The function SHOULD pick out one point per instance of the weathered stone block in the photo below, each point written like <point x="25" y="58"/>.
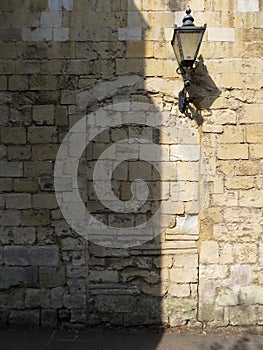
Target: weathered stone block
<point x="209" y="253"/>
<point x="36" y="298"/>
<point x="254" y="133"/>
<point x="26" y="185"/>
<point x="35" y="217"/>
<point x="60" y="34"/>
<point x="44" y="152"/>
<point x="50" y="277"/>
<point x="45" y="201"/>
<point x="42" y="134"/>
<point x="37" y="168"/>
<point x="18" y="83"/>
<point x="11" y="169"/>
<point x="233" y="151"/>
<point x="10" y="218"/>
<point x="183" y="275"/>
<point x="43" y="114"/>
<point x="75" y="301"/>
<point x="103" y="276"/>
<point x="242" y="315"/>
<point x="18" y="201"/>
<point x="179" y="290"/>
<point x="18" y="276"/>
<point x="248" y="5"/>
<point x="19" y="152"/>
<point x="44" y="256"/>
<point x="28" y="318"/>
<point x="17" y="256"/>
<point x="49" y="319"/>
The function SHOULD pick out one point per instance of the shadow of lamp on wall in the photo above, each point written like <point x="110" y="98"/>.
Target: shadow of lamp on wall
<point x="186" y="43"/>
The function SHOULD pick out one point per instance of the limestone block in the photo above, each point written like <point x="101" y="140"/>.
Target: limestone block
<point x="130" y="34"/>
<point x="206" y="311"/>
<point x="251" y="199"/>
<point x="254" y="133"/>
<point x="248" y="5"/>
<point x="19" y="152"/>
<point x="226" y="254"/>
<point x="50" y="277"/>
<point x="179" y="290"/>
<point x="160" y="18"/>
<point x="44" y="152"/>
<point x="14" y="135"/>
<point x="132" y="273"/>
<point x="42" y="134"/>
<point x="43" y="82"/>
<point x="43" y="114"/>
<point x="75" y="301"/>
<point x="209" y="253"/>
<point x="248" y="168"/>
<point x="35" y="217"/>
<point x="233" y="151"/>
<point x="241" y="275"/>
<point x="221" y="34"/>
<point x="68" y="97"/>
<point x="256" y="151"/>
<point x="60" y="34"/>
<point x="155" y="290"/>
<point x="26" y="185"/>
<point x="129" y="66"/>
<point x="139" y="49"/>
<point x="17" y="256"/>
<point x="51" y="19"/>
<point x="49" y="318"/>
<point x="18" y="276"/>
<point x="11" y="169"/>
<point x="7" y="34"/>
<point x="187" y="153"/>
<point x="239" y="182"/>
<point x="242" y="315"/>
<point x="183" y="275"/>
<point x="29" y="318"/>
<point x="18" y="201"/>
<point x="231" y="134"/>
<point x="44" y="256"/>
<point x="103" y="276"/>
<point x="252" y="113"/>
<point x="36" y="298"/>
<point x="36" y="34"/>
<point x="18" y="83"/>
<point x="228" y="297"/>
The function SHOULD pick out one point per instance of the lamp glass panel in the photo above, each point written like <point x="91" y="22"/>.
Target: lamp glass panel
<point x="176" y="49"/>
<point x="190" y="42"/>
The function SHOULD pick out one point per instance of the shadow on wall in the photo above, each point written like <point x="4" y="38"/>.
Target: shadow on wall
<point x="124" y="286"/>
<point x="203" y="92"/>
<point x="129" y="286"/>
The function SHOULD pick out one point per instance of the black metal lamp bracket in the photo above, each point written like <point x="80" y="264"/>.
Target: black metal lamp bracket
<point x="186" y="73"/>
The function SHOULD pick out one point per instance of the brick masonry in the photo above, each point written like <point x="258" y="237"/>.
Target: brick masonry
<point x="62" y="59"/>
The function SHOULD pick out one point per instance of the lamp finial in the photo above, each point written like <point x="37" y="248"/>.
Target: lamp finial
<point x="188" y="20"/>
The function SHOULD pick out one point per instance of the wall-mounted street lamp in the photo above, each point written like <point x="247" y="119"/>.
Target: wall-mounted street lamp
<point x="186" y="43"/>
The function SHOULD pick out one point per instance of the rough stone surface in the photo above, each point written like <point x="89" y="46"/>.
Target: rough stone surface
<point x="63" y="59"/>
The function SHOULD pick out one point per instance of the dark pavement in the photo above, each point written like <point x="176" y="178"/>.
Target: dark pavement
<point x="124" y="340"/>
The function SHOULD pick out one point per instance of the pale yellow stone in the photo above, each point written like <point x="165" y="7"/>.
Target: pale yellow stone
<point x="137" y="49"/>
<point x="239" y="182"/>
<point x="254" y="133"/>
<point x="256" y="151"/>
<point x="233" y="151"/>
<point x="232" y="134"/>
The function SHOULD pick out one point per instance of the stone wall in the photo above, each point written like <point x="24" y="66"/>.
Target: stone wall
<point x="64" y="59"/>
